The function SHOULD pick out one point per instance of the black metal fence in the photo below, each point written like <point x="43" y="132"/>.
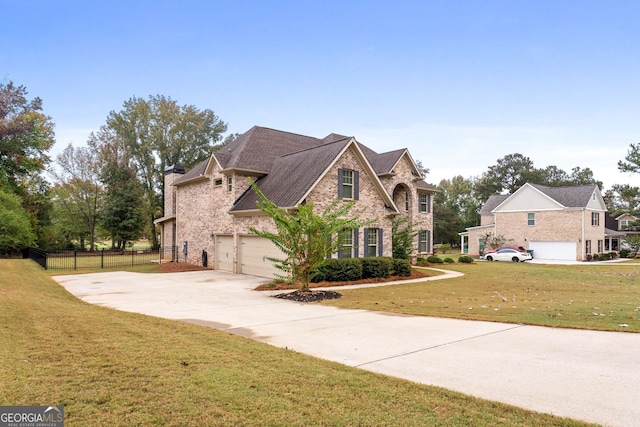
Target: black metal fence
<point x="83" y="260"/>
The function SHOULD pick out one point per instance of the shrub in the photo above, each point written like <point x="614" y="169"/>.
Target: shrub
<point x="448" y="260"/>
<point x="434" y="260"/>
<point x="376" y="267"/>
<point x="338" y="270"/>
<point x="318" y="274"/>
<point x="595" y="257"/>
<point x="624" y="253"/>
<point x="613" y="255"/>
<point x="401" y="267"/>
<point x="465" y="259"/>
<point x="589" y="257"/>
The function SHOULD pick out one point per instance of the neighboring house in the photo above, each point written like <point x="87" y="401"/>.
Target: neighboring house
<point x="564" y="223"/>
<point x="210" y="208"/>
<point x="618" y="228"/>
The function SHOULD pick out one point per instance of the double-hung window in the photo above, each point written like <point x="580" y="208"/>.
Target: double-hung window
<point x="595" y="218"/>
<point x="424" y="242"/>
<point x="373" y="242"/>
<point x="424" y="204"/>
<point x="348" y="184"/>
<point x="348" y="244"/>
<point x="229" y="184"/>
<point x="531" y="218"/>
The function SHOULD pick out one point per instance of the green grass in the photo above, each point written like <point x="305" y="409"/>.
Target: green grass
<point x="600" y="297"/>
<point x="111" y="368"/>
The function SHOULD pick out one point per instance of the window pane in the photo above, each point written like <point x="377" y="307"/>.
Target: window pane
<point x="422" y="242"/>
<point x="347" y="184"/>
<point x="372" y="242"/>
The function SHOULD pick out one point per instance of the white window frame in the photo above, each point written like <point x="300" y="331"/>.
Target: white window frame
<point x="229" y="184"/>
<point x="373" y="232"/>
<point x="423" y="245"/>
<point x="531" y="219"/>
<point x="347" y="184"/>
<point x="347" y="242"/>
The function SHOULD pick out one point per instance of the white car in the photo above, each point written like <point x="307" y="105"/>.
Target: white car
<point x="508" y="254"/>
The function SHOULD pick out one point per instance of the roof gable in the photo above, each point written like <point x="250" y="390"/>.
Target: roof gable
<point x="292" y="176"/>
<point x="540" y="197"/>
<point x="295" y="175"/>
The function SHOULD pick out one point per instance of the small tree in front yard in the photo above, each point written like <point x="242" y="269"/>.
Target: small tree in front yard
<point x="494" y="242"/>
<point x="306" y="238"/>
<point x="403" y="234"/>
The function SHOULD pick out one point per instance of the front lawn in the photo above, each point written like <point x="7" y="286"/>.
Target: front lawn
<point x="112" y="368"/>
<point x="602" y="297"/>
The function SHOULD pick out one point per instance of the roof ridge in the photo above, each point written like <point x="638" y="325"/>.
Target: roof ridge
<point x="316" y="147"/>
<point x="284" y="131"/>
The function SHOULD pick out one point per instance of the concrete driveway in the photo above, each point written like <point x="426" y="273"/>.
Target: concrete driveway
<point x="591" y="376"/>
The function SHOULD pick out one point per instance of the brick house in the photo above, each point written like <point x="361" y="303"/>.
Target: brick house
<point x="565" y="223"/>
<point x="209" y="208"/>
<point x="618" y="228"/>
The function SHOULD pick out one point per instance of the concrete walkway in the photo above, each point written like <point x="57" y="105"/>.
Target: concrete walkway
<point x="586" y="375"/>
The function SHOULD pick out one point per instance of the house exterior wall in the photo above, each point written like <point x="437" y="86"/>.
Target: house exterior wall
<point x="369" y="207"/>
<point x="593" y="233"/>
<point x="193" y="221"/>
<point x="487" y="219"/>
<point x="202" y="207"/>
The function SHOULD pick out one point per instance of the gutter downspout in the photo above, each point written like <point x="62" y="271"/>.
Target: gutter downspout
<point x="583" y="243"/>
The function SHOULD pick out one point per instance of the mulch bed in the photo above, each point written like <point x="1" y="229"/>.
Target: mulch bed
<point x="318" y="295"/>
<point x="308" y="296"/>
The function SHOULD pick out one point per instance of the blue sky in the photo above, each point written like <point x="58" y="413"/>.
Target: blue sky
<point x="459" y="83"/>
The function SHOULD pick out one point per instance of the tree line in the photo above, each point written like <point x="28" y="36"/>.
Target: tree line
<point x="109" y="190"/>
<point x="459" y="200"/>
<point x="112" y="189"/>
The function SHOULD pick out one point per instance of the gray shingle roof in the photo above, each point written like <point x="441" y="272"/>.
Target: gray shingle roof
<point x="492" y="203"/>
<point x="289" y="163"/>
<point x="570" y="197"/>
<point x="292" y="176"/>
<point x="257" y="148"/>
<point x="197" y="171"/>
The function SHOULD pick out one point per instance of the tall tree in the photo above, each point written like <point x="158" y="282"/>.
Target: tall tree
<point x="631" y="161"/>
<point x="158" y="132"/>
<point x="512" y="172"/>
<point x="623" y="198"/>
<point x="630" y="194"/>
<point x="26" y="135"/>
<point x="78" y="175"/>
<point x="455" y="208"/>
<point x="15" y="230"/>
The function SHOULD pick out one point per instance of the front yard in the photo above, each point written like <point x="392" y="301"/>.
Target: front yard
<point x="600" y="297"/>
<point x="114" y="368"/>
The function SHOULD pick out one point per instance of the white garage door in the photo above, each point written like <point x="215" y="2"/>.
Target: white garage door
<point x="254" y="252"/>
<point x="554" y="250"/>
<point x="224" y="253"/>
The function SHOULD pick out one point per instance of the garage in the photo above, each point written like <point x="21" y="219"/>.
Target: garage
<point x="554" y="250"/>
<point x="224" y="253"/>
<point x="254" y="252"/>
